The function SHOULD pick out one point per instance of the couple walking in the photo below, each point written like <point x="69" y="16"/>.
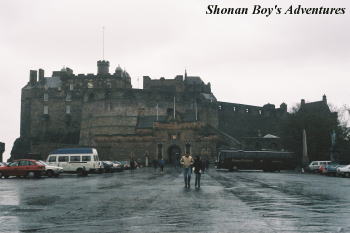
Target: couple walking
<point x="187" y="163"/>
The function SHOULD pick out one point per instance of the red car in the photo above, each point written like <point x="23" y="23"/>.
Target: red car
<point x="23" y="167"/>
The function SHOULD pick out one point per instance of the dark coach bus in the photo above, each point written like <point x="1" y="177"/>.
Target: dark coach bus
<point x="256" y="160"/>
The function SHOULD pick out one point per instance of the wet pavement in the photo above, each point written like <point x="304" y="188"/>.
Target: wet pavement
<point x="147" y="201"/>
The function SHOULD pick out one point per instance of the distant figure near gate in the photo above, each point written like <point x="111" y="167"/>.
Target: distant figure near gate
<point x="161" y="164"/>
<point x="198" y="170"/>
<point x="187" y="162"/>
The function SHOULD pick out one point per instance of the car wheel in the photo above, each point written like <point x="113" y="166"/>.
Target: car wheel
<point x="37" y="174"/>
<point x="57" y="175"/>
<point x="80" y="172"/>
<point x="1" y="175"/>
<point x="30" y="174"/>
<point x="6" y="177"/>
<point x="49" y="173"/>
<point x="85" y="173"/>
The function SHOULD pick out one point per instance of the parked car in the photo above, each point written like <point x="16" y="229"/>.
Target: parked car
<point x="344" y="171"/>
<point x="50" y="170"/>
<point x="314" y="166"/>
<point x="117" y="166"/>
<point x="107" y="166"/>
<point x="75" y="160"/>
<point x="125" y="164"/>
<point x="331" y="168"/>
<point x="23" y="167"/>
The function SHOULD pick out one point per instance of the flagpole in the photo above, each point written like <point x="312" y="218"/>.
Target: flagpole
<point x="157" y="112"/>
<point x="103" y="42"/>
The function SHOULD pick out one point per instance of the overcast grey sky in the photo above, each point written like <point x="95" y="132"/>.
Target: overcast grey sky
<point x="248" y="59"/>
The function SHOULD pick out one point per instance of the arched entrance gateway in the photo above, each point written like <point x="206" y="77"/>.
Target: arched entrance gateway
<point x="174" y="153"/>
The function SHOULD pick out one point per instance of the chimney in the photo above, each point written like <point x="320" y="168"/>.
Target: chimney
<point x="33" y="77"/>
<point x="41" y="75"/>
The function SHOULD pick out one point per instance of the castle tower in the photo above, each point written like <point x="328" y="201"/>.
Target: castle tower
<point x="102" y="67"/>
<point x="324" y="98"/>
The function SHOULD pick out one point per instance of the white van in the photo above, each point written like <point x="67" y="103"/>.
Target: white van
<point x="315" y="165"/>
<point x="75" y="160"/>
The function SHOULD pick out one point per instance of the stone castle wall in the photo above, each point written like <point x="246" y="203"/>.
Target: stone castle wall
<point x="105" y="112"/>
<point x="241" y="120"/>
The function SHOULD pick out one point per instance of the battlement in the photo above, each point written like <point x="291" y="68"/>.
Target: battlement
<point x="65" y="78"/>
<point x="266" y="110"/>
<point x="103" y="67"/>
<point x="179" y="84"/>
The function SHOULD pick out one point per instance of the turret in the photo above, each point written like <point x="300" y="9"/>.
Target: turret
<point x="324" y="99"/>
<point x="283" y="107"/>
<point x="102" y="67"/>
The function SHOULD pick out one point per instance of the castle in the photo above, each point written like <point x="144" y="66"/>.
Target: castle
<point x="166" y="118"/>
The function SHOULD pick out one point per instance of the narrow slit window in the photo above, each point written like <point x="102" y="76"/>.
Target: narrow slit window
<point x="68" y="109"/>
<point x="46" y="97"/>
<point x="46" y="110"/>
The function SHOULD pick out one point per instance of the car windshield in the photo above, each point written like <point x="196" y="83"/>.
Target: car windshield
<point x="41" y="163"/>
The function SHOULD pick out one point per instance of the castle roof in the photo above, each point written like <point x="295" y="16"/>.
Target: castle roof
<point x="318" y="106"/>
<point x="193" y="80"/>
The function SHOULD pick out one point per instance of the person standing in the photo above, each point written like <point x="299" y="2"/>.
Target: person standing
<point x="146" y="158"/>
<point x="161" y="164"/>
<point x="132" y="164"/>
<point x="155" y="164"/>
<point x="187" y="162"/>
<point x="198" y="169"/>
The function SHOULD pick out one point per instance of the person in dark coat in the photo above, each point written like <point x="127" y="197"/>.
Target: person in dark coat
<point x="161" y="164"/>
<point x="155" y="163"/>
<point x="198" y="169"/>
<point x="133" y="164"/>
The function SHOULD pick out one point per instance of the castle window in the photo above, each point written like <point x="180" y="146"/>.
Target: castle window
<point x="46" y="97"/>
<point x="260" y="112"/>
<point x="67" y="109"/>
<point x="90" y="85"/>
<point x="68" y="97"/>
<point x="234" y="109"/>
<point x="71" y="87"/>
<point x="109" y="85"/>
<point x="91" y="97"/>
<point x="247" y="110"/>
<point x="220" y="107"/>
<point x="46" y="110"/>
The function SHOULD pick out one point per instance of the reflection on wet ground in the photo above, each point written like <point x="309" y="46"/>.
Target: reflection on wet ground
<point x="147" y="201"/>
